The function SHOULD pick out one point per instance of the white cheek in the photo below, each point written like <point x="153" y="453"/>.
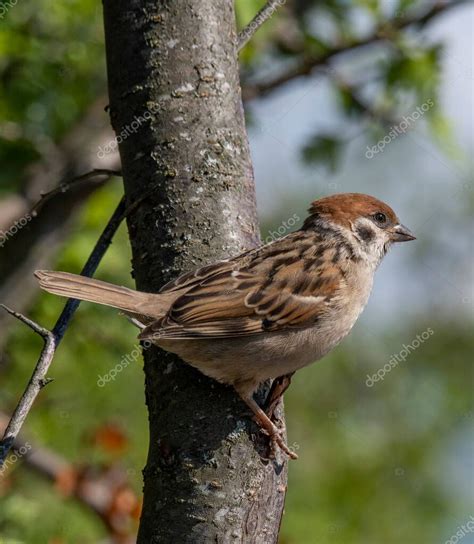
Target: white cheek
<point x="372" y="247"/>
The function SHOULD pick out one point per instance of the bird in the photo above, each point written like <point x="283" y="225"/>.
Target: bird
<point x="268" y="311"/>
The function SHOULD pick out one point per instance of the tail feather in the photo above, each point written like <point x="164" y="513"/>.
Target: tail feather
<point x="74" y="286"/>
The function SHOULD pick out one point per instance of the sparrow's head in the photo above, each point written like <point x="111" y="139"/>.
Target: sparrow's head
<point x="372" y="224"/>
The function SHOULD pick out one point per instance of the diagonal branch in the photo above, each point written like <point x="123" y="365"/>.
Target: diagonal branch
<point x="101" y="246"/>
<point x="54" y="337"/>
<point x="78" y="180"/>
<point x="265" y="13"/>
<point x="383" y="32"/>
<point x="37" y="382"/>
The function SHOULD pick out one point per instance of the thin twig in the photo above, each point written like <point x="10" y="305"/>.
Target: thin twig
<point x="265" y="13"/>
<point x="36" y="383"/>
<point x="90" y="267"/>
<point x="78" y="180"/>
<point x="52" y="339"/>
<point x="307" y="64"/>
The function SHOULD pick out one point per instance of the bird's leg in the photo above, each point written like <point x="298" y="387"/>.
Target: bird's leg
<point x="279" y="386"/>
<point x="265" y="422"/>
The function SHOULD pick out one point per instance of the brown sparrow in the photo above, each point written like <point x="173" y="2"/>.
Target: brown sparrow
<point x="269" y="311"/>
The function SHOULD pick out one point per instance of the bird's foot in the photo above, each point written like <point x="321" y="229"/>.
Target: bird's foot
<point x="276" y="436"/>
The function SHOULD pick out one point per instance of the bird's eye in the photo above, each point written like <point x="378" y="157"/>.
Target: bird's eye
<point x="380" y="218"/>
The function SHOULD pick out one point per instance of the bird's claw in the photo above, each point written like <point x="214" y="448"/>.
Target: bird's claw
<point x="276" y="439"/>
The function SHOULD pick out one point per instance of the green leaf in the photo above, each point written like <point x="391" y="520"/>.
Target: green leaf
<point x="416" y="71"/>
<point x="324" y="149"/>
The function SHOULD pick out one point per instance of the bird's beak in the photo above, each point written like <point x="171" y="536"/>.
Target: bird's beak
<point x="400" y="233"/>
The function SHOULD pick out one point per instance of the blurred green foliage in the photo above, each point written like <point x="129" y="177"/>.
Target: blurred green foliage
<point x="74" y="407"/>
<point x="370" y="469"/>
<point x="376" y="463"/>
<point x="323" y="150"/>
<point x="52" y="66"/>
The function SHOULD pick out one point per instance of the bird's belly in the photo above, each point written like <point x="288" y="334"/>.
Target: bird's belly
<point x="260" y="357"/>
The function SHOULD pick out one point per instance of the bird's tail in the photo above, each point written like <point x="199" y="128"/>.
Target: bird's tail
<point x="69" y="285"/>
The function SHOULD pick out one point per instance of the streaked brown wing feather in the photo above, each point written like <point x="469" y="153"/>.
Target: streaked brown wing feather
<point x="200" y="275"/>
<point x="167" y="330"/>
<point x="277" y="287"/>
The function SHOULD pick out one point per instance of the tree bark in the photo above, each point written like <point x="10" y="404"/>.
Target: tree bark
<point x="175" y="100"/>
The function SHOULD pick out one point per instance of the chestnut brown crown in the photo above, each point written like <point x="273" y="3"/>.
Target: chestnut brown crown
<point x="344" y="208"/>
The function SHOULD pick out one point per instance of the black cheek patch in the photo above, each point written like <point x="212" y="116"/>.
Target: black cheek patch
<point x="366" y="234"/>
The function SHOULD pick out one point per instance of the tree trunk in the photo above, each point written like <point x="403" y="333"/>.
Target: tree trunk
<point x="175" y="104"/>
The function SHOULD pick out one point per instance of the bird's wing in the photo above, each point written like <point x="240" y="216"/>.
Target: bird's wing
<point x="289" y="283"/>
<point x="195" y="277"/>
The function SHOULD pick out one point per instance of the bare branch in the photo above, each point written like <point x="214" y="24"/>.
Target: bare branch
<point x="91" y="265"/>
<point x="265" y="13"/>
<point x="383" y="32"/>
<point x="36" y="383"/>
<point x="63" y="187"/>
<point x="52" y="339"/>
